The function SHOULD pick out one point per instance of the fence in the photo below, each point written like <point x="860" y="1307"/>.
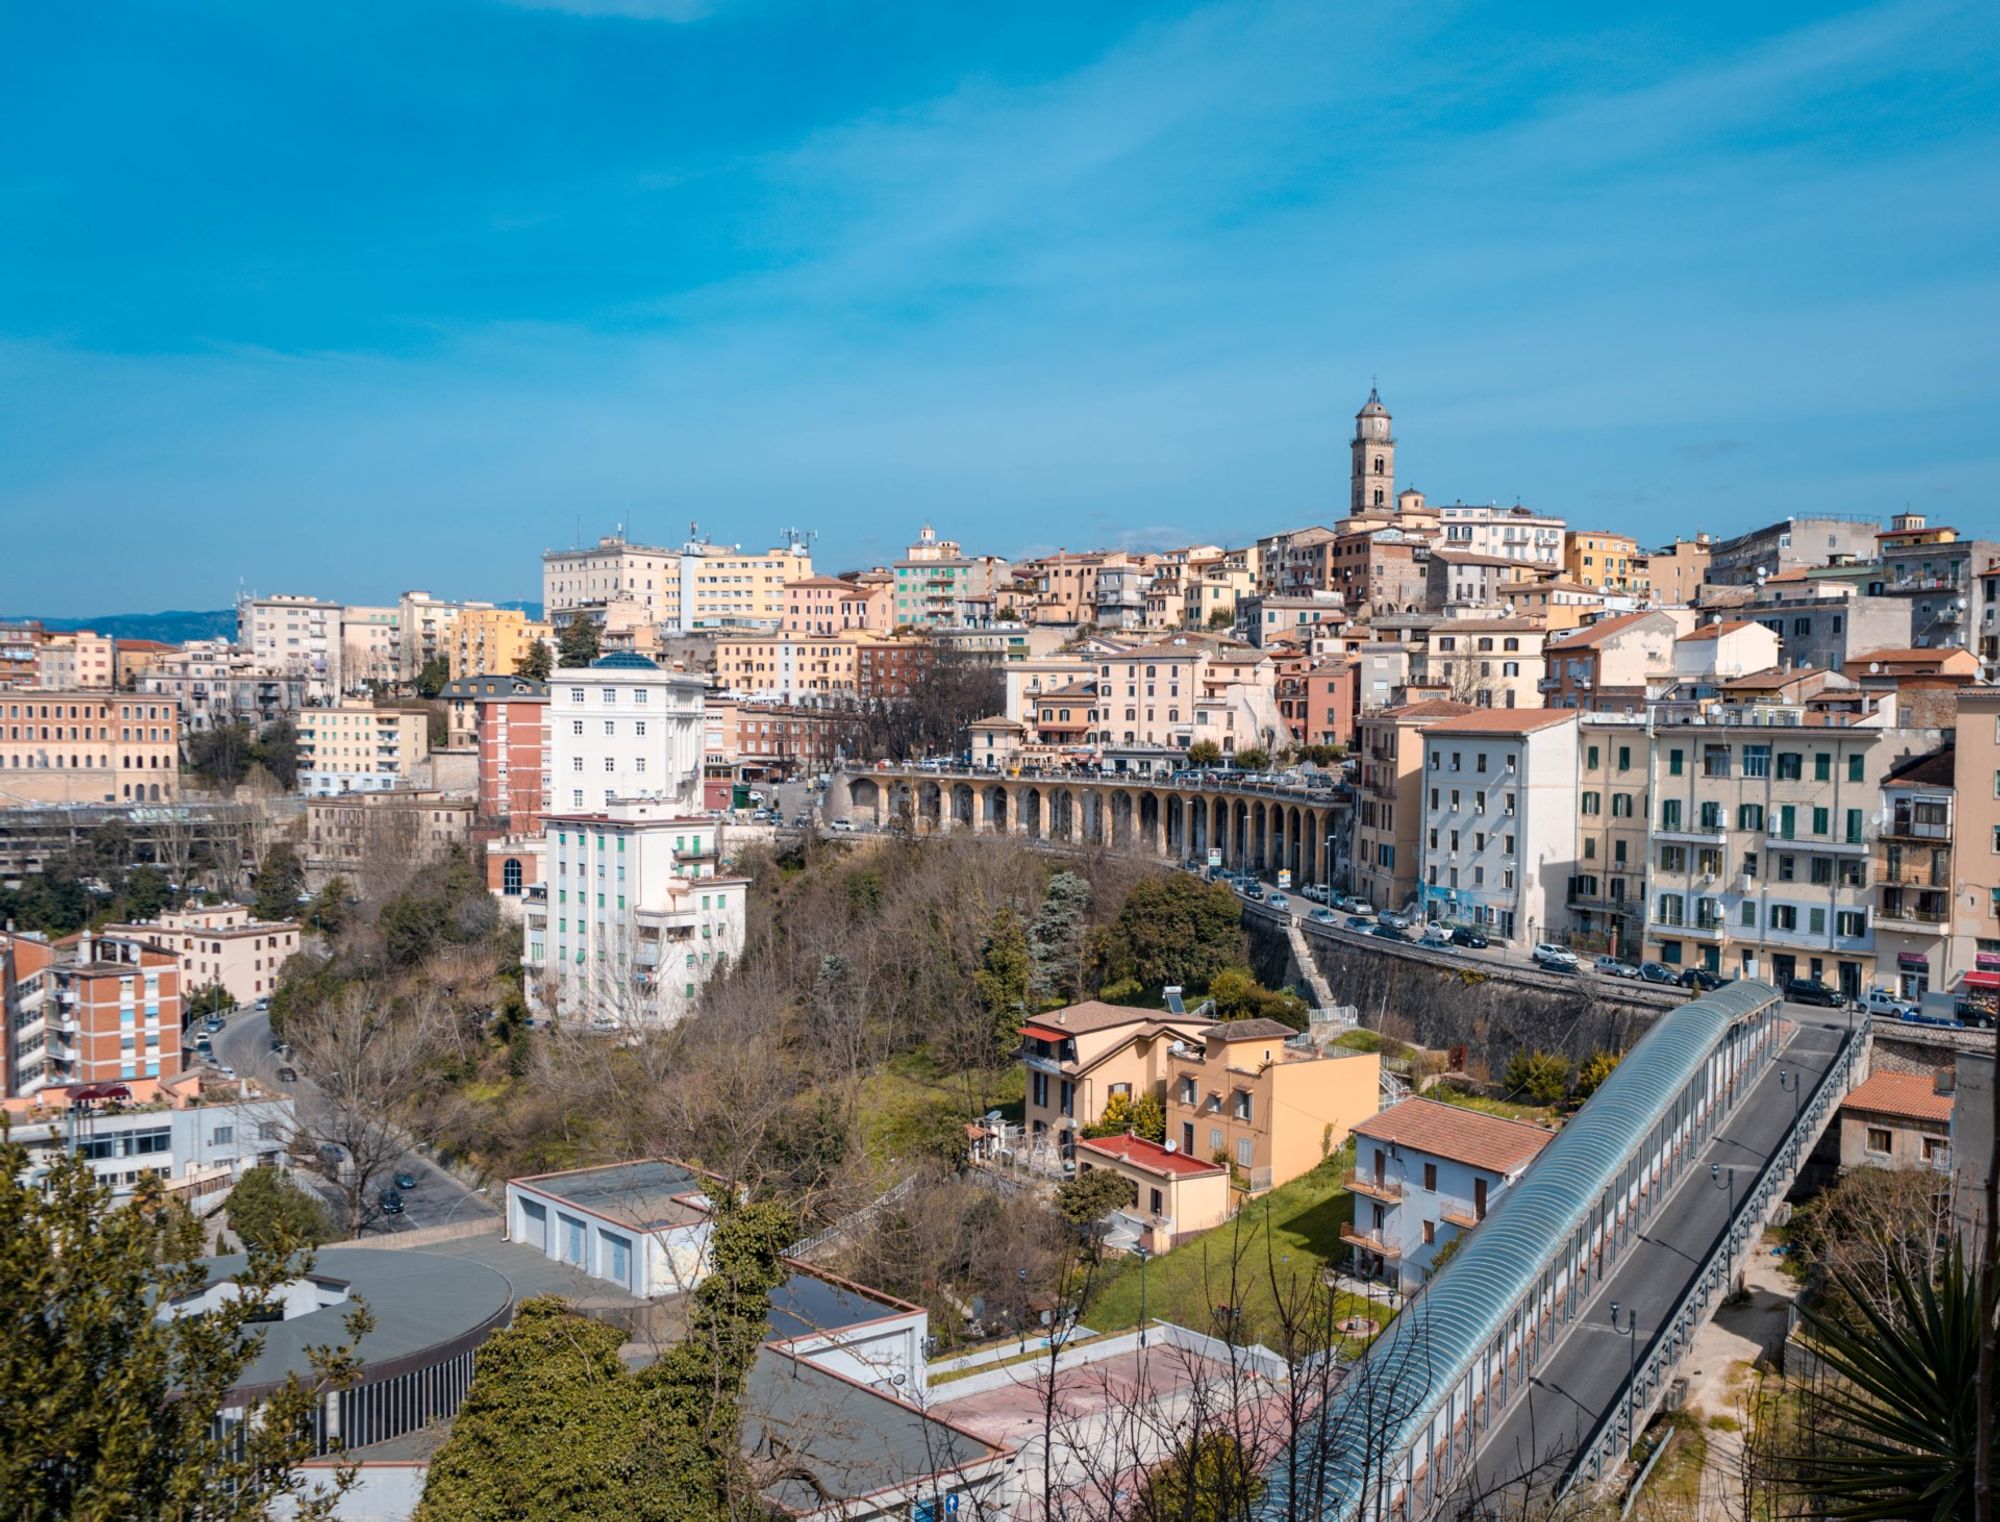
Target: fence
<point x="847" y="1223"/>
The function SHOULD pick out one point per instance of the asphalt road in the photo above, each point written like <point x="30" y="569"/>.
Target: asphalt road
<point x="244" y="1044"/>
<point x="1583" y="1377"/>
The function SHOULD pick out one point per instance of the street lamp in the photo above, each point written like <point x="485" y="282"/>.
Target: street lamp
<point x="1629" y="1331"/>
<point x="1788" y="1080"/>
<point x="461" y="1205"/>
<point x="1716" y="1172"/>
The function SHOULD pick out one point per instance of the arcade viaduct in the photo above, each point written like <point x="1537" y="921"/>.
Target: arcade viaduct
<point x="1257" y="826"/>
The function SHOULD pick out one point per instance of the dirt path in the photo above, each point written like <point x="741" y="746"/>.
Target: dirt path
<point x="1720" y="1375"/>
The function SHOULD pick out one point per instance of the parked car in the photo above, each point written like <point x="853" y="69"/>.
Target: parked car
<point x="1254" y="891"/>
<point x="212" y="1024"/>
<point x="391" y="1202"/>
<point x="1879" y="1001"/>
<point x="1812" y="991"/>
<point x="405" y="1180"/>
<point x="1470" y="935"/>
<point x="1354" y="905"/>
<point x="1657" y="972"/>
<point x="1315" y="892"/>
<point x="1700" y="979"/>
<point x="1612" y="967"/>
<point x="1389" y="932"/>
<point x="1359" y="922"/>
<point x="1394" y="920"/>
<point x="843" y="825"/>
<point x="1554" y="958"/>
<point x="288" y="1075"/>
<point x="1435" y="936"/>
<point x="1922" y="1017"/>
<point x="1321" y="917"/>
<point x="1278" y="901"/>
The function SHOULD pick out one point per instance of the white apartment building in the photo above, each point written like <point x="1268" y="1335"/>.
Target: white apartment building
<point x="216" y="685"/>
<point x="1507" y="533"/>
<point x="1499" y="821"/>
<point x="199" y="1150"/>
<point x="295" y="636"/>
<point x="631" y="918"/>
<point x="698" y="587"/>
<point x="623" y="727"/>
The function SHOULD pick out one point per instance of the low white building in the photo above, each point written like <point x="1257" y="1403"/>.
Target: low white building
<point x="641" y="1226"/>
<point x="198" y="1150"/>
<point x="1425" y="1173"/>
<point x="1499" y="822"/>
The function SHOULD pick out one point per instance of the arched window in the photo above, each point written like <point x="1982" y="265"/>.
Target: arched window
<point x="1378" y="496"/>
<point x="510" y="877"/>
<point x="1378" y="465"/>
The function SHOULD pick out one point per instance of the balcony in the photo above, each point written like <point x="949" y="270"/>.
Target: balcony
<point x="1915" y="874"/>
<point x="1903" y="826"/>
<point x="1382" y="1247"/>
<point x="1903" y="911"/>
<point x="1461" y="1216"/>
<point x="1693" y="834"/>
<point x="699" y="851"/>
<point x="1389" y="1191"/>
<point x="1797" y="839"/>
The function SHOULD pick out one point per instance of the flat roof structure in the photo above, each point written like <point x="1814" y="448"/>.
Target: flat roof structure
<point x="647" y="1195"/>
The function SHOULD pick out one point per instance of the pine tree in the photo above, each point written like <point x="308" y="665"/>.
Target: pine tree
<point x="1002" y="979"/>
<point x="1055" y="942"/>
<point x="578" y="643"/>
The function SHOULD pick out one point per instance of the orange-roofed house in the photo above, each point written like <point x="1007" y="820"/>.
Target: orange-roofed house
<point x="1896" y="1120"/>
<point x="1608" y="666"/>
<point x="1079" y="1056"/>
<point x="1174" y="1196"/>
<point x="1726" y="648"/>
<point x="1425" y="1173"/>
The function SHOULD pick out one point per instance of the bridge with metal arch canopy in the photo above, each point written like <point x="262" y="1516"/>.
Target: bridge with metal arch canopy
<point x="1256" y="824"/>
<point x="1505" y="1375"/>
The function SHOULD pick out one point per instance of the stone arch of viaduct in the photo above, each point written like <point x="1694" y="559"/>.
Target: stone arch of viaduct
<point x="1254" y="831"/>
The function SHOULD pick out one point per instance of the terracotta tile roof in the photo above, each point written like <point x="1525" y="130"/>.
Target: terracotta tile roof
<point x="1503" y="721"/>
<point x="1938" y="769"/>
<point x="1486" y="626"/>
<point x="1249" y="1030"/>
<point x="1467" y="557"/>
<point x="1149" y="1155"/>
<point x="1478" y="1140"/>
<point x="1603" y="629"/>
<point x="1428" y="708"/>
<point x="1910" y="1095"/>
<point x="1095" y="1015"/>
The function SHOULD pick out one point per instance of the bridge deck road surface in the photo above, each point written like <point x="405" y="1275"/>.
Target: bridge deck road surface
<point x="1536" y="1441"/>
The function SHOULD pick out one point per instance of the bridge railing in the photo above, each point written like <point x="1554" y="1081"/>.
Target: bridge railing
<point x="1339" y="792"/>
<point x="1611" y="1439"/>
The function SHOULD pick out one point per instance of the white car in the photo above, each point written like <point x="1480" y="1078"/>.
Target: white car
<point x="1556" y="958"/>
<point x="1879" y="1001"/>
<point x="846" y="825"/>
<point x="1435" y="936"/>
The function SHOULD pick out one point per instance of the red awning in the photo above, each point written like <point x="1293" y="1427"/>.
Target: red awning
<point x="1045" y="1032"/>
<point x="1980" y="980"/>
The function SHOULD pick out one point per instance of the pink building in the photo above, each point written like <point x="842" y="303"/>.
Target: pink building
<point x="833" y="605"/>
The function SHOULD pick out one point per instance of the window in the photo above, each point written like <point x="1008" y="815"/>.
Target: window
<point x="1430" y="1232"/>
<point x="1791" y="766"/>
<point x="1675" y="765"/>
<point x="1187" y="1091"/>
<point x="1820" y="820"/>
<point x="1756" y="760"/>
<point x="1850" y="923"/>
<point x="1937" y="1151"/>
<point x="1784" y="917"/>
<point x="1854" y="769"/>
<point x="1880" y="1142"/>
<point x="1591" y="804"/>
<point x="1822" y="766"/>
<point x="1624" y="758"/>
<point x="1430" y="1176"/>
<point x="1245" y="1151"/>
<point x="1621" y="805"/>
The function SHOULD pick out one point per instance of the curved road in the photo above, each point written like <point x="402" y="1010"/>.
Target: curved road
<point x="244" y="1044"/>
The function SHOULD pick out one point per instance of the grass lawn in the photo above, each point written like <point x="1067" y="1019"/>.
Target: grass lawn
<point x="1277" y="1243"/>
<point x="1539" y="1115"/>
<point x="903" y="1101"/>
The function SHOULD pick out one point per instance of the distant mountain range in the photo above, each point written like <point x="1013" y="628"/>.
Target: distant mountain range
<point x="178" y="627"/>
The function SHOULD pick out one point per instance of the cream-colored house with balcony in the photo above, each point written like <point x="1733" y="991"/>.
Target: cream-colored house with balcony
<point x="1078" y="1056"/>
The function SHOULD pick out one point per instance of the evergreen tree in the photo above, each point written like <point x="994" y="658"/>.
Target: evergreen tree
<point x="1176" y="929"/>
<point x="1055" y="942"/>
<point x="431" y="679"/>
<point x="111" y="1412"/>
<point x="578" y="643"/>
<point x="266" y="1209"/>
<point x="280" y="879"/>
<point x="1002" y="979"/>
<point x="536" y="662"/>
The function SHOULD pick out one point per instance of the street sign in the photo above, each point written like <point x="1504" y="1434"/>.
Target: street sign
<point x="1214" y="856"/>
<point x="1284" y="877"/>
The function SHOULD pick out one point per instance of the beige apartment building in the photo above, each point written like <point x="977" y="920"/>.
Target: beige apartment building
<point x="698" y="587"/>
<point x="76" y="662"/>
<point x="1389" y="807"/>
<point x="224" y="945"/>
<point x="1078" y="1056"/>
<point x="486" y="641"/>
<point x="351" y="835"/>
<point x="1976" y="800"/>
<point x="371" y="645"/>
<point x="1241" y="1094"/>
<point x="294" y="636"/>
<point x="1607" y="892"/>
<point x="1915" y="948"/>
<point x="834" y="605"/>
<point x="360" y="747"/>
<point x="87" y="747"/>
<point x="1488" y="662"/>
<point x="1764" y="843"/>
<point x="1675" y="574"/>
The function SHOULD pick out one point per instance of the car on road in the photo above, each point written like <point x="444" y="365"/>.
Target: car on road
<point x="212" y="1024"/>
<point x="288" y="1074"/>
<point x="1553" y="958"/>
<point x="1321" y="917"/>
<point x="1394" y="920"/>
<point x="1435" y="936"/>
<point x="1314" y="892"/>
<point x="1470" y="935"/>
<point x="845" y="826"/>
<point x="1613" y="967"/>
<point x="1701" y="980"/>
<point x="1354" y="905"/>
<point x="225" y="1070"/>
<point x="1657" y="972"/>
<point x="1277" y="901"/>
<point x="1251" y="890"/>
<point x="261" y="1005"/>
<point x="1389" y="932"/>
<point x="1879" y="1001"/>
<point x="406" y="1180"/>
<point x="1359" y="922"/>
<point x="1812" y="991"/>
<point x="391" y="1202"/>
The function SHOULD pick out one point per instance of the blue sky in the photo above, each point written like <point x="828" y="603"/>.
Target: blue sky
<point x="346" y="299"/>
